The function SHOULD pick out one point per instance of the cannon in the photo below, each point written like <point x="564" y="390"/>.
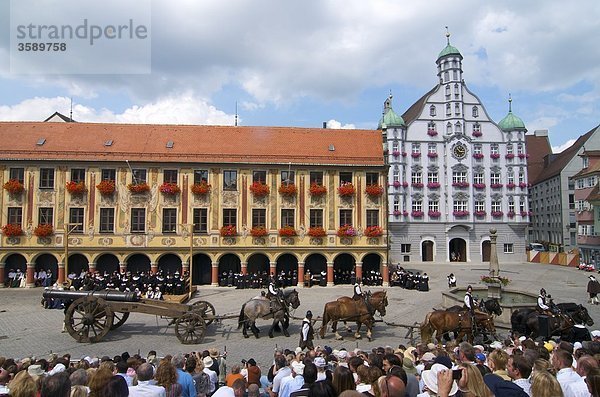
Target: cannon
<point x="90" y="315"/>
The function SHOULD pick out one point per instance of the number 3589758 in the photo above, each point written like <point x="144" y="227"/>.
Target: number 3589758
<point x="40" y="47"/>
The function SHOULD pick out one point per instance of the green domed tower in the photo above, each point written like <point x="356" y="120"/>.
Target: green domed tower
<point x="390" y="119"/>
<point x="511" y="122"/>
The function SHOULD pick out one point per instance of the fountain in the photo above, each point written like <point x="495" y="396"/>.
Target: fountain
<point x="510" y="300"/>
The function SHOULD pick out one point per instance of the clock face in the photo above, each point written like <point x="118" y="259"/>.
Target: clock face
<point x="460" y="151"/>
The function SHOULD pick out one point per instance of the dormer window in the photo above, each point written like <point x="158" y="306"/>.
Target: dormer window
<point x="475" y="111"/>
<point x="432" y="110"/>
<point x="586" y="162"/>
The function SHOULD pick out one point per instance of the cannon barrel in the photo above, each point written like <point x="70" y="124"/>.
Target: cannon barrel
<point x="108" y="295"/>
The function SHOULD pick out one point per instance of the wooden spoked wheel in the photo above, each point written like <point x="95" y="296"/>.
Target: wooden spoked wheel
<point x="88" y="319"/>
<point x="119" y="319"/>
<point x="206" y="310"/>
<point x="190" y="329"/>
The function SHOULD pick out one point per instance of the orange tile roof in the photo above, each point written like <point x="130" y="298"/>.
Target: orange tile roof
<point x="191" y="143"/>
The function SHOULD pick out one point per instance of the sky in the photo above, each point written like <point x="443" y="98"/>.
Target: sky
<point x="302" y="63"/>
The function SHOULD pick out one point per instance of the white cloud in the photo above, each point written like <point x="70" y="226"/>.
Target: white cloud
<point x="337" y="125"/>
<point x="566" y="145"/>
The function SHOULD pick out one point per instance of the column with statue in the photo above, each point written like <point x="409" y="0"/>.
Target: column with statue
<point x="494" y="287"/>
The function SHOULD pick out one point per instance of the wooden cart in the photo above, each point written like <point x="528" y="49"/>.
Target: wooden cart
<point x="91" y="314"/>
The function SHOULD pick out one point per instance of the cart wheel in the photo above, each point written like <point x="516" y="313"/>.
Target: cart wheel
<point x="206" y="310"/>
<point x="88" y="319"/>
<point x="119" y="319"/>
<point x="190" y="328"/>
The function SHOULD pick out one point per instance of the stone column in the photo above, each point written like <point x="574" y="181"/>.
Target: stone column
<point x="329" y="274"/>
<point x="2" y="276"/>
<point x="272" y="269"/>
<point x="185" y="267"/>
<point x="494" y="290"/>
<point x="300" y="274"/>
<point x="214" y="277"/>
<point x="61" y="273"/>
<point x="359" y="271"/>
<point x="30" y="282"/>
<point x="385" y="274"/>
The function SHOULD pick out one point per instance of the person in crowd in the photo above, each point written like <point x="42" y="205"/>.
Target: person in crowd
<point x="201" y="379"/>
<point x="293" y="382"/>
<point x="283" y="370"/>
<point x="593" y="289"/>
<point x="98" y="380"/>
<point x="57" y="385"/>
<point x="571" y="383"/>
<point x="585" y="364"/>
<point x="116" y="387"/>
<point x="391" y="386"/>
<point x="592" y="381"/>
<point x="309" y="375"/>
<point x="145" y="388"/>
<point x="307" y="333"/>
<point x="519" y="371"/>
<point x="497" y="361"/>
<point x="22" y="385"/>
<point x="172" y="379"/>
<point x="254" y="372"/>
<point x="544" y="384"/>
<point x="343" y="379"/>
<point x="212" y="375"/>
<point x="233" y="375"/>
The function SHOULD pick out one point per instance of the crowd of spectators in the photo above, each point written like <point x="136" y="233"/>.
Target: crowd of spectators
<point x="517" y="367"/>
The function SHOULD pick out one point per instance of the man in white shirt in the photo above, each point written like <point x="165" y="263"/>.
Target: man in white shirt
<point x="519" y="370"/>
<point x="145" y="388"/>
<point x="571" y="383"/>
<point x="208" y="362"/>
<point x="293" y="382"/>
<point x="283" y="370"/>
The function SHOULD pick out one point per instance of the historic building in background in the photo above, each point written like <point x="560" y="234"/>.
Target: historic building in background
<point x="110" y="197"/>
<point x="454" y="174"/>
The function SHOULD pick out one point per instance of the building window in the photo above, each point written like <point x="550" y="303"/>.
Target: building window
<point x="456" y="90"/>
<point x="457" y="109"/>
<point x="229" y="217"/>
<point x="449" y="128"/>
<point x="519" y="149"/>
<point x="434" y="206"/>
<point x="417" y="205"/>
<point x="396" y="175"/>
<point x="477" y="149"/>
<point x="259" y="217"/>
<point x="432" y="177"/>
<point x="521" y="176"/>
<point x="446" y="76"/>
<point x="46" y="216"/>
<point x="416" y="148"/>
<point x="77" y="175"/>
<point x="458" y="127"/>
<point x="230" y="181"/>
<point x="448" y="91"/>
<point x="200" y="176"/>
<point x="522" y="205"/>
<point x="76" y="220"/>
<point x="138" y="176"/>
<point x="459" y="176"/>
<point x="476" y="128"/>
<point x="510" y="177"/>
<point x="372" y="218"/>
<point x="169" y="220"/>
<point x="431" y="126"/>
<point x="46" y="178"/>
<point x="509" y="248"/>
<point x="345" y="217"/>
<point x="494" y="149"/>
<point x="138" y="220"/>
<point x="396" y="204"/>
<point x="475" y="111"/>
<point x="316" y="178"/>
<point x="108" y="174"/>
<point x="395" y="146"/>
<point x="416" y="177"/>
<point x="200" y="220"/>
<point x="405" y="248"/>
<point x="15" y="215"/>
<point x="259" y="177"/>
<point x="479" y="206"/>
<point x="287" y="217"/>
<point x="316" y="218"/>
<point x="431" y="148"/>
<point x="509" y="149"/>
<point x="17" y="174"/>
<point x="448" y="110"/>
<point x="345" y="177"/>
<point x="586" y="162"/>
<point x="495" y="178"/>
<point x="479" y="178"/>
<point x="372" y="178"/>
<point x="511" y="205"/>
<point x="288" y="177"/>
<point x="432" y="110"/>
<point x="496" y="206"/>
<point x="455" y="74"/>
<point x="460" y="205"/>
<point x="170" y="176"/>
<point x="107" y="220"/>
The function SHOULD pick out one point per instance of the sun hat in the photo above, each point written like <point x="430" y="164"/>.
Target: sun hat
<point x="207" y="361"/>
<point x="428" y="356"/>
<point x="595" y="333"/>
<point x="320" y="362"/>
<point x="214" y="353"/>
<point x="298" y="367"/>
<point x="408" y="366"/>
<point x="35" y="371"/>
<point x="298" y="350"/>
<point x="430" y="378"/>
<point x="496" y="345"/>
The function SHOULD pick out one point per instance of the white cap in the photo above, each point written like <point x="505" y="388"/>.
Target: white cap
<point x="596" y="333"/>
<point x="522" y="338"/>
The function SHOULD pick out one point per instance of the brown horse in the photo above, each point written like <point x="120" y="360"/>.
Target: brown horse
<point x="442" y="321"/>
<point x="359" y="311"/>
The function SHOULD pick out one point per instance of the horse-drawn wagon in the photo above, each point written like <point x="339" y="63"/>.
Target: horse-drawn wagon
<point x="90" y="315"/>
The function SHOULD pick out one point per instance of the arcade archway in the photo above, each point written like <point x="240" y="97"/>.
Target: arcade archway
<point x="344" y="266"/>
<point x="77" y="263"/>
<point x="458" y="250"/>
<point x="107" y="264"/>
<point x="230" y="262"/>
<point x="169" y="264"/>
<point x="201" y="270"/>
<point x="138" y="263"/>
<point x="258" y="264"/>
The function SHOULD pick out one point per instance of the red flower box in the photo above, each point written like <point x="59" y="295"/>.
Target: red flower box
<point x="522" y="185"/>
<point x="346" y="190"/>
<point x="138" y="187"/>
<point x="317" y="190"/>
<point x="433" y="185"/>
<point x="524" y="214"/>
<point x="259" y="189"/>
<point x="106" y="188"/>
<point x="288" y="189"/>
<point x="397" y="184"/>
<point x="510" y="185"/>
<point x="395" y="153"/>
<point x="397" y="213"/>
<point x="434" y="214"/>
<point x="478" y="156"/>
<point x="477" y="134"/>
<point x="479" y="186"/>
<point x="432" y="132"/>
<point x="432" y="155"/>
<point x="228" y="231"/>
<point x="346" y="231"/>
<point x="201" y="188"/>
<point x="460" y="184"/>
<point x="510" y="214"/>
<point x="495" y="156"/>
<point x="258" y="231"/>
<point x="496" y="186"/>
<point x="460" y="214"/>
<point x="374" y="190"/>
<point x="417" y="214"/>
<point x="497" y="214"/>
<point x="403" y="154"/>
<point x="405" y="213"/>
<point x="417" y="185"/>
<point x="170" y="189"/>
<point x="287" y="231"/>
<point x="43" y="230"/>
<point x="13" y="186"/>
<point x="510" y="156"/>
<point x="374" y="231"/>
<point x="480" y="213"/>
<point x="316" y="232"/>
<point x="76" y="187"/>
<point x="12" y="230"/>
<point x="522" y="155"/>
<point x="415" y="155"/>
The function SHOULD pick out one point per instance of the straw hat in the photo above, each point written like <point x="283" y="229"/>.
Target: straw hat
<point x="430" y="378"/>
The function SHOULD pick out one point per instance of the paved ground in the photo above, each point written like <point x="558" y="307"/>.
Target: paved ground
<point x="28" y="329"/>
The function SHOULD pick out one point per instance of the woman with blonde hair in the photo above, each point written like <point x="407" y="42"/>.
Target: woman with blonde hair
<point x="98" y="380"/>
<point x="23" y="385"/>
<point x="471" y="383"/>
<point x="166" y="376"/>
<point x="544" y="384"/>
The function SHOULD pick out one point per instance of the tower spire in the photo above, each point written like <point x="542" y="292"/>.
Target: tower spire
<point x="447" y="35"/>
<point x="509" y="103"/>
<point x="236" y="114"/>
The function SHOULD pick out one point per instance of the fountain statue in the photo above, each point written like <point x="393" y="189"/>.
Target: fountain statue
<point x="494" y="287"/>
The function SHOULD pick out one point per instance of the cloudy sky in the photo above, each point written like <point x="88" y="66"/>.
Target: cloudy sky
<point x="300" y="63"/>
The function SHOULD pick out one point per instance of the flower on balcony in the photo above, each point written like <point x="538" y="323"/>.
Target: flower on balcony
<point x="142" y="187"/>
<point x="201" y="188"/>
<point x="417" y="185"/>
<point x="495" y="156"/>
<point x="478" y="156"/>
<point x="106" y="187"/>
<point x="346" y="231"/>
<point x="432" y="155"/>
<point x="288" y="189"/>
<point x="13" y="186"/>
<point x="403" y="154"/>
<point x="405" y="213"/>
<point x="495" y="280"/>
<point x="479" y="214"/>
<point x="460" y="213"/>
<point x="170" y="189"/>
<point x="415" y="155"/>
<point x="374" y="231"/>
<point x="522" y="185"/>
<point x="510" y="185"/>
<point x="477" y="134"/>
<point x="258" y="231"/>
<point x="76" y="187"/>
<point x="316" y="231"/>
<point x="259" y="189"/>
<point x="510" y="155"/>
<point x="288" y="231"/>
<point x="317" y="190"/>
<point x="524" y="214"/>
<point x="496" y="186"/>
<point x="43" y="230"/>
<point x="434" y="214"/>
<point x="432" y="132"/>
<point x="510" y="214"/>
<point x="346" y="189"/>
<point x="461" y="184"/>
<point x="417" y="214"/>
<point x="397" y="213"/>
<point x="12" y="230"/>
<point x="497" y="214"/>
<point x="404" y="184"/>
<point x="479" y="186"/>
<point x="433" y="185"/>
<point x="523" y="155"/>
<point x="396" y="184"/>
<point x="228" y="231"/>
<point x="396" y="153"/>
<point x="374" y="190"/>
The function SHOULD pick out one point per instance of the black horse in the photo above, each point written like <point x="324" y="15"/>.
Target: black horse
<point x="525" y="321"/>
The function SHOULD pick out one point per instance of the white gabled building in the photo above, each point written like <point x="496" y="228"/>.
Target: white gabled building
<point x="454" y="174"/>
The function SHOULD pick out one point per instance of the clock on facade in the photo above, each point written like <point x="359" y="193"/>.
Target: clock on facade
<point x="459" y="151"/>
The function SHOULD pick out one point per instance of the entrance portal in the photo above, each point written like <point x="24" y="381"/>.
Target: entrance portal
<point x="427" y="251"/>
<point x="458" y="250"/>
<point x="486" y="249"/>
